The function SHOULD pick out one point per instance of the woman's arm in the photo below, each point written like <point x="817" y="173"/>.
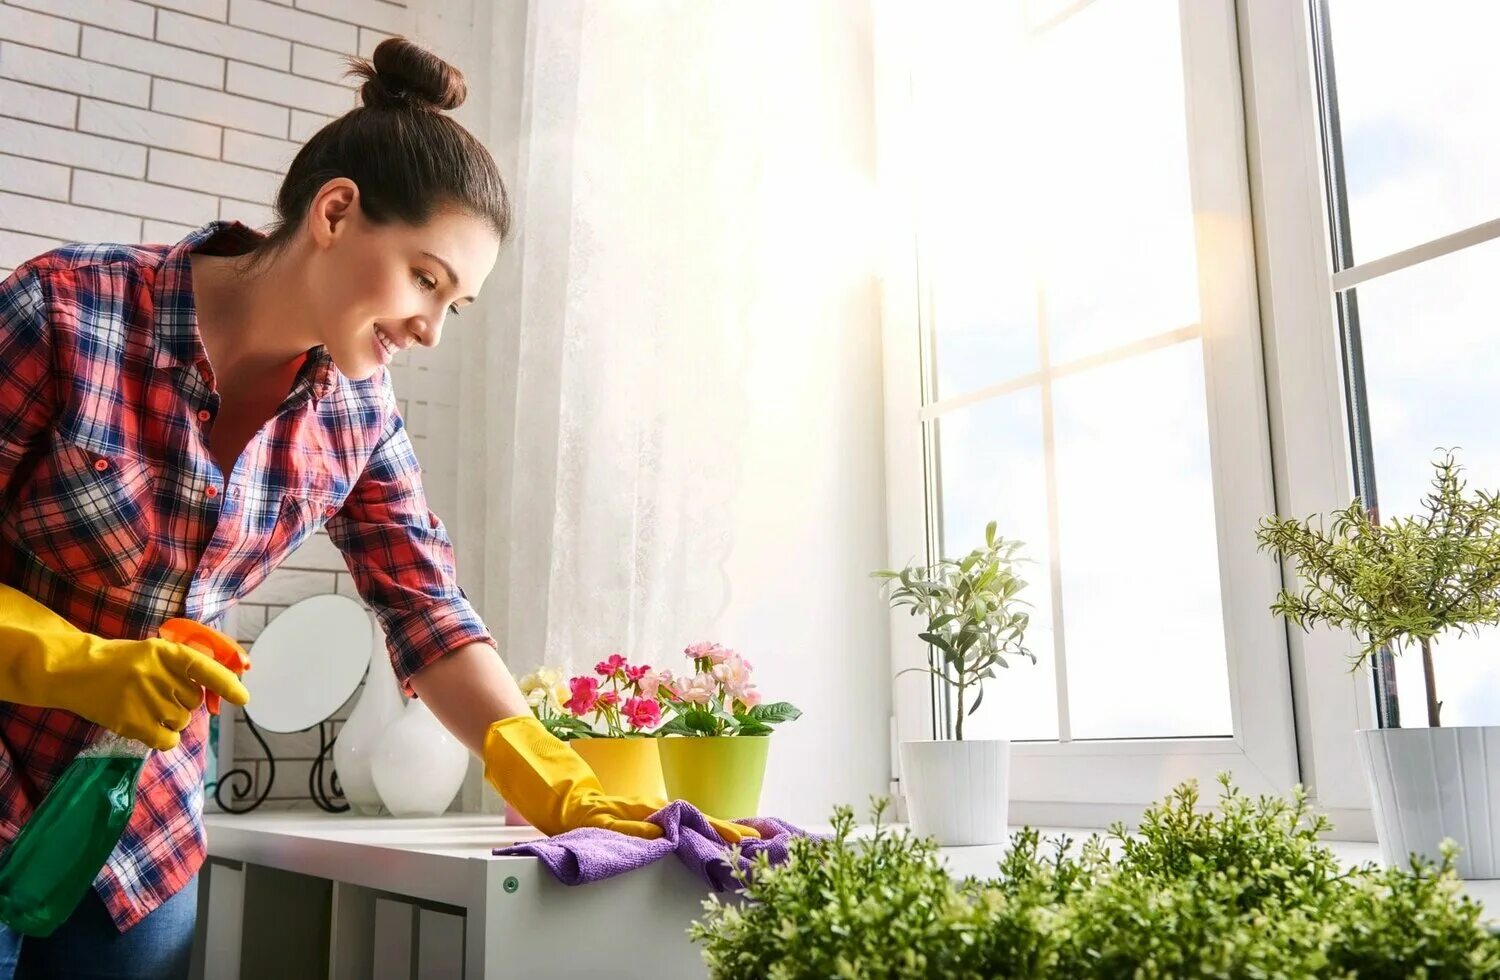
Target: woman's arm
<point x="469" y="690"/>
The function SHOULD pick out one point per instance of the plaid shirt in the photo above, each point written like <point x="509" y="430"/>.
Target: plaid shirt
<point x="114" y="513"/>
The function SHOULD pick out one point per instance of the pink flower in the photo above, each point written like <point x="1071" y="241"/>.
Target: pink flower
<point x="698" y="689"/>
<point x="749" y="697"/>
<point x="652" y="683"/>
<point x="634" y="674"/>
<point x="608" y="699"/>
<point x="585" y="695"/>
<point x="606" y="668"/>
<point x="713" y="651"/>
<point x="642" y="712"/>
<point x="733" y="675"/>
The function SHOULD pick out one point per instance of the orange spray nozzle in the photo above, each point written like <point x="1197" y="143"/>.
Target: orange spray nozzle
<point x="207" y="640"/>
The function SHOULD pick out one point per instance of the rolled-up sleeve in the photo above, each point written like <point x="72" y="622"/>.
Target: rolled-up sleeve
<point x="402" y="560"/>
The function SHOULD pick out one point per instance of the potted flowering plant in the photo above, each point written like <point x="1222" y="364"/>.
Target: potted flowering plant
<point x="957" y="790"/>
<point x="722" y="728"/>
<point x="607" y="717"/>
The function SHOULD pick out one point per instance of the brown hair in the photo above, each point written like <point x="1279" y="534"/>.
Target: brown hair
<point x="407" y="158"/>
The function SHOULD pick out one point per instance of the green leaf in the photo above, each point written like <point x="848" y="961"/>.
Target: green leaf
<point x="937" y="640"/>
<point x="568" y="727"/>
<point x="676" y="726"/>
<point x="776" y="712"/>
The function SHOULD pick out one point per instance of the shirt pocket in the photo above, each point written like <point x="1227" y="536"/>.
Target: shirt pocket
<point x="303" y="513"/>
<point x="85" y="515"/>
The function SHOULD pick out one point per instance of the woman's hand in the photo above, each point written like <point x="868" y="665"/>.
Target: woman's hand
<point x="554" y="789"/>
<point x="142" y="689"/>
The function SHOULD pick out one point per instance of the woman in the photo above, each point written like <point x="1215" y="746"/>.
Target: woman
<point x="175" y="421"/>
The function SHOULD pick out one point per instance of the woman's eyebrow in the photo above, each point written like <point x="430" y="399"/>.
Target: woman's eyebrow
<point x="448" y="269"/>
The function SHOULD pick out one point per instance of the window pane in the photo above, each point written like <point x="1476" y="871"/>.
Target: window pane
<point x="992" y="469"/>
<point x="1428" y="332"/>
<point x="976" y="263"/>
<point x="1140" y="568"/>
<point x="984" y="310"/>
<point x="1073" y="190"/>
<point x="1109" y="149"/>
<point x="1417" y="90"/>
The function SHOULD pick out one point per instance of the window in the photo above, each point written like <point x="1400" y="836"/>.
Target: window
<point x="1413" y="163"/>
<point x="1076" y="355"/>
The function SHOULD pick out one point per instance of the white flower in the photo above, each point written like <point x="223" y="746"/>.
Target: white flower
<point x="544" y="686"/>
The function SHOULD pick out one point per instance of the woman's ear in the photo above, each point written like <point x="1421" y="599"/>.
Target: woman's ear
<point x="335" y="203"/>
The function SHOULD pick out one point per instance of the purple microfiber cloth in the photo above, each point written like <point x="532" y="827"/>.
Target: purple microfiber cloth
<point x="591" y="854"/>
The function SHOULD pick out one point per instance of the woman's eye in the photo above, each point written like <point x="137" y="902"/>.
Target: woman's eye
<point x="453" y="309"/>
<point x="427" y="283"/>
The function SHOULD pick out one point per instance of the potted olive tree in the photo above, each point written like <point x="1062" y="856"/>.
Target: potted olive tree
<point x="1404" y="584"/>
<point x="957" y="789"/>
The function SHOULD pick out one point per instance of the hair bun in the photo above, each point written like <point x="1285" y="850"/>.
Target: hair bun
<point x="403" y="74"/>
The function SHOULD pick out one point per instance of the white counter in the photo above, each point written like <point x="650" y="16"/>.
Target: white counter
<point x="493" y="916"/>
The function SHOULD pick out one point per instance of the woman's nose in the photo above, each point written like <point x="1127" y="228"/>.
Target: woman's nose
<point x="427" y="331"/>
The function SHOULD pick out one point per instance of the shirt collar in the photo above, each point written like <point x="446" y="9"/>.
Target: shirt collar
<point x="178" y="343"/>
<point x="177" y="340"/>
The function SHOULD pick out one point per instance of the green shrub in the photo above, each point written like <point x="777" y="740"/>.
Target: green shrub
<point x="876" y="907"/>
<point x="1245" y="891"/>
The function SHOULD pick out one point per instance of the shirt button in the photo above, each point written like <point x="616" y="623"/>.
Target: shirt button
<point x="329" y="511"/>
<point x="101" y="465"/>
<point x="213" y="491"/>
<point x="204" y="415"/>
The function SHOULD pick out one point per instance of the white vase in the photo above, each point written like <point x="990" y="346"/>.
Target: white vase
<point x="379" y="707"/>
<point x="418" y="765"/>
<point x="1427" y="784"/>
<point x="957" y="792"/>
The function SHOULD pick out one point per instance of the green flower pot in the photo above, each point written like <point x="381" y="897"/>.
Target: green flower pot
<point x="720" y="775"/>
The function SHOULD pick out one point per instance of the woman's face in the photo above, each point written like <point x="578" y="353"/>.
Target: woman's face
<point x="384" y="288"/>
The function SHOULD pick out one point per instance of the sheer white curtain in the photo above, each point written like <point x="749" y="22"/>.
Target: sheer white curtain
<point x="616" y="400"/>
<point x="674" y="419"/>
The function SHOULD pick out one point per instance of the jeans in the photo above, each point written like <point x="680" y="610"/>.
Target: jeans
<point x="88" y="947"/>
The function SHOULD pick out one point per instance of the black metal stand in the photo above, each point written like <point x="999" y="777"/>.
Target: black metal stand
<point x="325" y="799"/>
<point x="322" y="781"/>
<point x="241" y="781"/>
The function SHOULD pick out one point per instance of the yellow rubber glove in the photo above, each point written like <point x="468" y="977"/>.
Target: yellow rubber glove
<point x="555" y="790"/>
<point x="142" y="689"/>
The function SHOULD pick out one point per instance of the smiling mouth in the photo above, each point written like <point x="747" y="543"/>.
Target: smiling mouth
<point x="385" y="345"/>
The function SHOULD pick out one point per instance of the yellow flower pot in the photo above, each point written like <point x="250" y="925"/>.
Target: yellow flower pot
<point x="625" y="766"/>
<point x="720" y="775"/>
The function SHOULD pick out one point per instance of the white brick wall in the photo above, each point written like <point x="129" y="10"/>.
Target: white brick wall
<point x="129" y="121"/>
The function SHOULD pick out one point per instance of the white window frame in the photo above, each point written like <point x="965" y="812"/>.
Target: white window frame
<point x="1304" y="369"/>
<point x="1088" y="783"/>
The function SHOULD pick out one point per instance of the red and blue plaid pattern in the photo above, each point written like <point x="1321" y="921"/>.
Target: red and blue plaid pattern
<point x="114" y="513"/>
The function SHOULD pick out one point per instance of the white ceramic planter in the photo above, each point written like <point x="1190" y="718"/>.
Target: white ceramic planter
<point x="378" y="708"/>
<point x="417" y="765"/>
<point x="957" y="792"/>
<point x="1427" y="784"/>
